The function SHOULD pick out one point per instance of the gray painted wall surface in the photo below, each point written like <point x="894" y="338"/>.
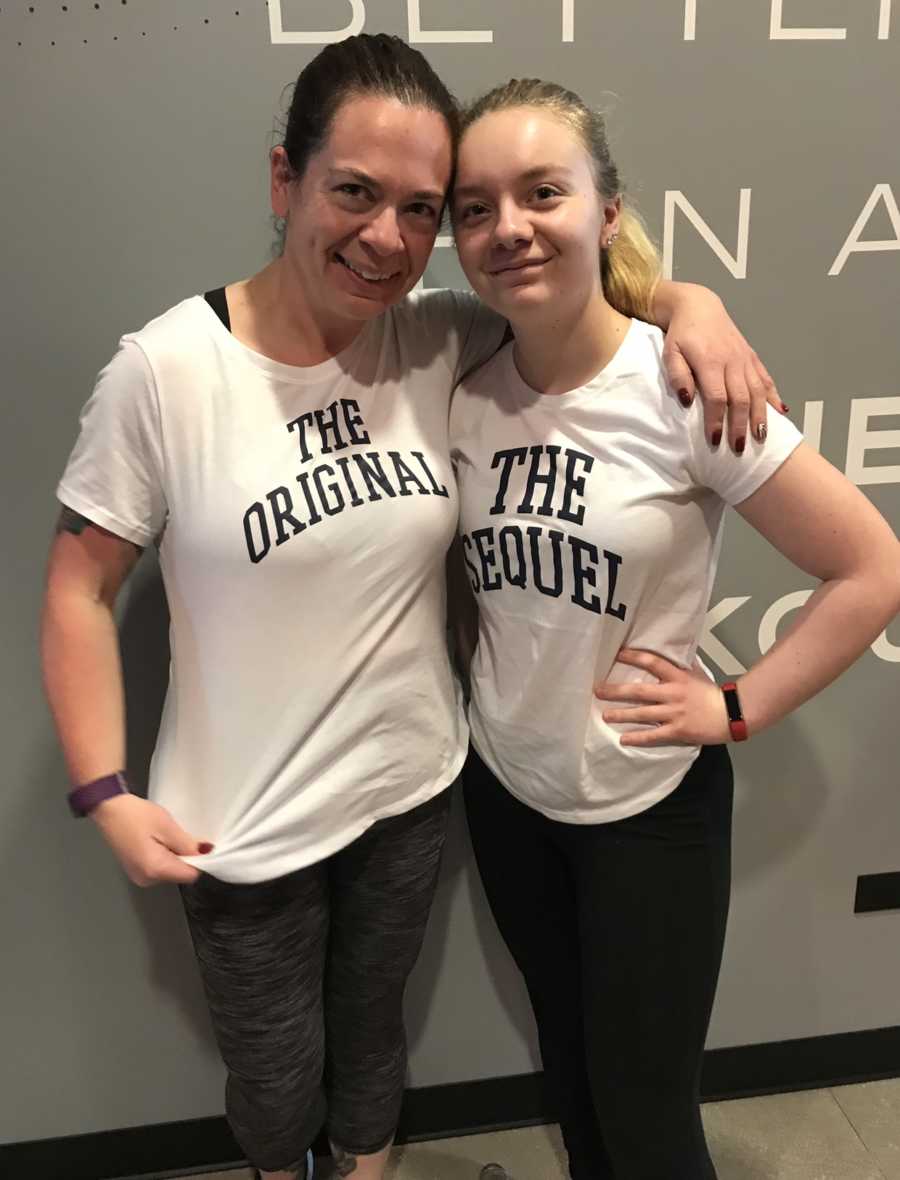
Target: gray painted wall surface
<point x="134" y="159"/>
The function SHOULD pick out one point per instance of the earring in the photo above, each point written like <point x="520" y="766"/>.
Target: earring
<point x="612" y="238"/>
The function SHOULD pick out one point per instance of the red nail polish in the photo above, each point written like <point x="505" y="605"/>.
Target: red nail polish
<point x="205" y="847"/>
<point x="716" y="437"/>
<point x="685" y="398"/>
<point x="739" y="446"/>
<point x="785" y="409"/>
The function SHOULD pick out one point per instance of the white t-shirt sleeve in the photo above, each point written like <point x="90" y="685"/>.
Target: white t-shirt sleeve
<point x="469" y="332"/>
<point x="114" y="475"/>
<point x="483" y="337"/>
<point x="735" y="477"/>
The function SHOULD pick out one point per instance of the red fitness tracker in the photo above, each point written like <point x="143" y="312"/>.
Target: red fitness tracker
<point x="83" y="800"/>
<point x="736" y="722"/>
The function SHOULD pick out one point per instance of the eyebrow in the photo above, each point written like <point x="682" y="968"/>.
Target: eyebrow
<point x="530" y="174"/>
<point x="371" y="182"/>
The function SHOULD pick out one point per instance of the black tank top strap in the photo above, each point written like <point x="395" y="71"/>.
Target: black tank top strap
<point x="217" y="301"/>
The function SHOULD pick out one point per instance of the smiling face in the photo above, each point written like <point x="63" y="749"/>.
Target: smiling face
<point x="528" y="220"/>
<point x="362" y="220"/>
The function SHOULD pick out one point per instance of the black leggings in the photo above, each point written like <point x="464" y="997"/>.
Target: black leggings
<point x="618" y="931"/>
<point x="305" y="976"/>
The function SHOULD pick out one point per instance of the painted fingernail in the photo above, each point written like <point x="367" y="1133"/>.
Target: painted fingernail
<point x="685" y="398"/>
<point x="716" y="437"/>
<point x="204" y="848"/>
<point x="785" y="409"/>
<point x="762" y="432"/>
<point x="739" y="445"/>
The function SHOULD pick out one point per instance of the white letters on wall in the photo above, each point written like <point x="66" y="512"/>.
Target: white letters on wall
<point x="280" y="36"/>
<point x="690" y="20"/>
<point x="885" y="650"/>
<point x="568" y="20"/>
<point x="728" y="663"/>
<point x="853" y="245"/>
<point x="777" y="31"/>
<point x="884" y="20"/>
<point x="812" y="424"/>
<point x="715" y="648"/>
<point x="737" y="264"/>
<point x="860" y="440"/>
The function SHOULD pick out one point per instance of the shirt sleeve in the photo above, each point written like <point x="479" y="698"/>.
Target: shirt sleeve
<point x="468" y="332"/>
<point x="735" y="477"/>
<point x="485" y="332"/>
<point x="114" y="475"/>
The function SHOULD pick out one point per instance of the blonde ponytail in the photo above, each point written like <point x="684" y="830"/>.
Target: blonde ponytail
<point x="631" y="268"/>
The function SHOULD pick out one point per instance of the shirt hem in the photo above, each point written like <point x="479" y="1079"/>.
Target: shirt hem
<point x="624" y="809"/>
<point x="207" y="863"/>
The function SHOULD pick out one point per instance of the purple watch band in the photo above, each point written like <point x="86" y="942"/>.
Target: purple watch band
<point x="84" y="799"/>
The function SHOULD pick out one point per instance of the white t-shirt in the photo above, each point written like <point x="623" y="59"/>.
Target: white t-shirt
<point x="590" y="521"/>
<point x="302" y="517"/>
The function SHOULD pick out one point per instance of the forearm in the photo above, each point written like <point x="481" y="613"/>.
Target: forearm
<point x="669" y="295"/>
<point x="83" y="682"/>
<point x="834" y="627"/>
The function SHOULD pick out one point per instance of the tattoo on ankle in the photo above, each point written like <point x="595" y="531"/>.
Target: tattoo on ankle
<point x="344" y="1163"/>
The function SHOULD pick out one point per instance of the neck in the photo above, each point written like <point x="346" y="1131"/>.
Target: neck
<point x="271" y="314"/>
<point x="557" y="351"/>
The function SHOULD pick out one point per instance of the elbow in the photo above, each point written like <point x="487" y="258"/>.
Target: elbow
<point x="893" y="576"/>
<point x="885" y="581"/>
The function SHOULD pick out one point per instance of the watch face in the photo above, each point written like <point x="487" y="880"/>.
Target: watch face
<point x="732" y="703"/>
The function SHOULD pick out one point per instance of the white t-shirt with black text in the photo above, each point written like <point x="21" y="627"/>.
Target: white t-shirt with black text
<point x="590" y="521"/>
<point x="302" y="517"/>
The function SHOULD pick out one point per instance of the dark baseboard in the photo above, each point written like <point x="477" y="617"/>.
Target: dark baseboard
<point x="458" y="1108"/>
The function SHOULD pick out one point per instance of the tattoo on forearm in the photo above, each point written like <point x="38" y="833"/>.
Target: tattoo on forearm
<point x="71" y="521"/>
<point x="344" y="1162"/>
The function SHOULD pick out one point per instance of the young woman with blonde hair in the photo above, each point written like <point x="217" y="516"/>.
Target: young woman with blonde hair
<point x="599" y="788"/>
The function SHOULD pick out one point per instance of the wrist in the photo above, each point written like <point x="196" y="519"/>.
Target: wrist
<point x="737" y="724"/>
<point x="89" y="797"/>
<point x="107" y="811"/>
<point x="670" y="296"/>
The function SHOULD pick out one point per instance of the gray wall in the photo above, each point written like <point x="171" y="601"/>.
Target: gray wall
<point x="135" y="173"/>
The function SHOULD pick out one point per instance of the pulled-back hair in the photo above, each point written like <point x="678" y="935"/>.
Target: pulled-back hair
<point x="630" y="267"/>
<point x="379" y="65"/>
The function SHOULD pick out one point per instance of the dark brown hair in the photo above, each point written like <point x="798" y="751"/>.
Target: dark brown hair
<point x="378" y="64"/>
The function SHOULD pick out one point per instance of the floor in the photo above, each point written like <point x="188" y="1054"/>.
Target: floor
<point x="846" y="1133"/>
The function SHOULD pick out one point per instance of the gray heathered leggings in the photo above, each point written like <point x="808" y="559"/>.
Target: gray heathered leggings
<point x="304" y="976"/>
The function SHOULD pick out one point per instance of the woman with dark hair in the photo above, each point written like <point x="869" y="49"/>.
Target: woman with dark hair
<point x="283" y="441"/>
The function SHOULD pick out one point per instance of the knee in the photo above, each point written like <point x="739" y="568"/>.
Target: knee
<point x="279" y="1114"/>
